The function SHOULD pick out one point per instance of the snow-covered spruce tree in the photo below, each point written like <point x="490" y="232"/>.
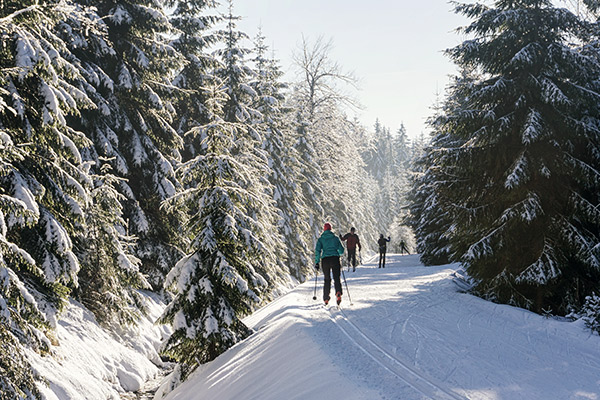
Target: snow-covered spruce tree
<point x="194" y="38"/>
<point x="400" y="176"/>
<point x="388" y="160"/>
<point x="237" y="77"/>
<point x="50" y="178"/>
<point x="374" y="153"/>
<point x="44" y="183"/>
<point x="284" y="165"/>
<point x="310" y="179"/>
<point x="402" y="158"/>
<point x="431" y="212"/>
<point x="526" y="181"/>
<point x="21" y="322"/>
<point x="109" y="274"/>
<point x="590" y="312"/>
<point x="129" y="79"/>
<point x="430" y="217"/>
<point x="219" y="281"/>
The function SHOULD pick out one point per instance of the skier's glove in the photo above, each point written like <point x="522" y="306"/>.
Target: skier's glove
<point x="317" y="266"/>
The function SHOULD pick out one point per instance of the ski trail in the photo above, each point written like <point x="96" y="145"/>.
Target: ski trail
<point x="412" y="377"/>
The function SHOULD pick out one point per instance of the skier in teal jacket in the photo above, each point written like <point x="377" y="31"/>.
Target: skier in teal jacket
<point x="328" y="250"/>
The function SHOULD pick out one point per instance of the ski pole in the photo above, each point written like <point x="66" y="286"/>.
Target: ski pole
<point x="315" y="293"/>
<point x="346" y="283"/>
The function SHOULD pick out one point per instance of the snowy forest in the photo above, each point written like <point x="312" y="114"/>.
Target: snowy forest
<point x="150" y="145"/>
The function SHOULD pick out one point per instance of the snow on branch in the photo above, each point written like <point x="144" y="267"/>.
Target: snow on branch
<point x="552" y="94"/>
<point x="533" y="127"/>
<point x="526" y="210"/>
<point x="543" y="270"/>
<point x="15" y="14"/>
<point x="518" y="174"/>
<point x="526" y="57"/>
<point x="483" y="247"/>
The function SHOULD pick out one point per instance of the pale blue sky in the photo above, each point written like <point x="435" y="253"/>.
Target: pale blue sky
<point x="393" y="46"/>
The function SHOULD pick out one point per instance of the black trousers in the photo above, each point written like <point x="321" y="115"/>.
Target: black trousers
<point x="404" y="249"/>
<point x="382" y="258"/>
<point x="352" y="257"/>
<point x="331" y="265"/>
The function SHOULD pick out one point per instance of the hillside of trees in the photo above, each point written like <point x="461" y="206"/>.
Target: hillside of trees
<point x="150" y="145"/>
<point x="509" y="185"/>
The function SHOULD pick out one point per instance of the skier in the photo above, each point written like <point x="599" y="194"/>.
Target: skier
<point x="403" y="248"/>
<point x="382" y="242"/>
<point x="352" y="242"/>
<point x="328" y="250"/>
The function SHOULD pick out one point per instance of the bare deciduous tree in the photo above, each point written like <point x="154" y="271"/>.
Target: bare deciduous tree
<point x="319" y="77"/>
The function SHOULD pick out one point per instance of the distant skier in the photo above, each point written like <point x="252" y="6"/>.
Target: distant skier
<point x="328" y="250"/>
<point x="403" y="248"/>
<point x="352" y="241"/>
<point x="382" y="242"/>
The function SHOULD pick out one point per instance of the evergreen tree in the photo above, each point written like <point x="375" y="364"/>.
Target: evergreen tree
<point x="109" y="273"/>
<point x="220" y="280"/>
<point x="402" y="153"/>
<point x="128" y="73"/>
<point x="237" y="78"/>
<point x="375" y="154"/>
<point x="431" y="212"/>
<point x="44" y="184"/>
<point x="193" y="42"/>
<point x="388" y="161"/>
<point x="50" y="178"/>
<point x="525" y="183"/>
<point x="277" y="129"/>
<point x="21" y="321"/>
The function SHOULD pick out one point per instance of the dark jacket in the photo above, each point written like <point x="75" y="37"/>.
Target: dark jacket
<point x="352" y="241"/>
<point x="328" y="245"/>
<point x="382" y="242"/>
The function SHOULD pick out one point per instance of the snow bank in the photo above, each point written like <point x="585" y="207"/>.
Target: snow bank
<point x="88" y="362"/>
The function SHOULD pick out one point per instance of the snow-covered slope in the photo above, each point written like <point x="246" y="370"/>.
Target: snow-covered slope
<point x="90" y="363"/>
<point x="409" y="334"/>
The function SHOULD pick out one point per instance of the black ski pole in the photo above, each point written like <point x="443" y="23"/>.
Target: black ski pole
<point x="346" y="283"/>
<point x="315" y="293"/>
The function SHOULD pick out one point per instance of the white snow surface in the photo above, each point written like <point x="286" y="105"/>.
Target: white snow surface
<point x="89" y="362"/>
<point x="409" y="333"/>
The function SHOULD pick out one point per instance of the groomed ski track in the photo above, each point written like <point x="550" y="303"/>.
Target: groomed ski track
<point x="415" y="379"/>
<point x="410" y="334"/>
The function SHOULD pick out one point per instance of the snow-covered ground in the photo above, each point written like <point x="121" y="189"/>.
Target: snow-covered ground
<point x="408" y="334"/>
<point x="90" y="363"/>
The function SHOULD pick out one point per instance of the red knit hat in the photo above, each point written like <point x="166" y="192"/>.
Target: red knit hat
<point x="327" y="226"/>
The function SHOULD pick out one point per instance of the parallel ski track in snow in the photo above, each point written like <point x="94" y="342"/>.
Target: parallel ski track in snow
<point x="411" y="376"/>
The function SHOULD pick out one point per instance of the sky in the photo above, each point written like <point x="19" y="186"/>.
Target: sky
<point x="394" y="47"/>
